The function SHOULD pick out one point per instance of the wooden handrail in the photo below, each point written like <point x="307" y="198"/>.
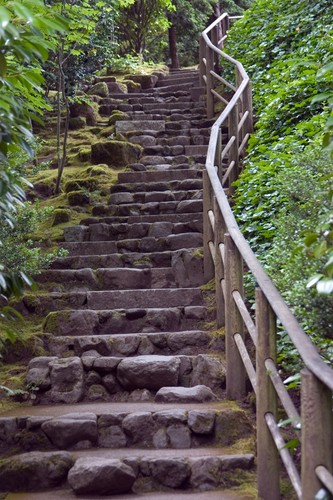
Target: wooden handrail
<point x="225" y="253"/>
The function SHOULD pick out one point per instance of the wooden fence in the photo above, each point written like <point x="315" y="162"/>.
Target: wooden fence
<point x="227" y="256"/>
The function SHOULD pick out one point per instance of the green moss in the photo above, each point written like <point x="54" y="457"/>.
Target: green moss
<point x="78" y="198"/>
<point x="61" y="215"/>
<point x="79" y="184"/>
<point x="117" y="116"/>
<point x="107" y="131"/>
<point x="84" y="154"/>
<point x="77" y="122"/>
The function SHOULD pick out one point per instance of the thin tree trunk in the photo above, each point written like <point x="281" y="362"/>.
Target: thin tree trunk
<point x="173" y="47"/>
<point x="62" y="90"/>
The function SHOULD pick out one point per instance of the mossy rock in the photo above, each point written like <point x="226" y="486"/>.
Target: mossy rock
<point x="117" y="116"/>
<point x="132" y="86"/>
<point x="86" y="110"/>
<point x="84" y="154"/>
<point x="146" y="81"/>
<point x="77" y="122"/>
<point x="115" y="153"/>
<point x="102" y="169"/>
<point x="107" y="131"/>
<point x="60" y="216"/>
<point x="78" y="198"/>
<point x="80" y="184"/>
<point x="100" y="89"/>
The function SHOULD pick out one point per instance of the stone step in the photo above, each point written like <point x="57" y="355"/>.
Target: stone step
<point x="163" y="176"/>
<point x="157" y="100"/>
<point x="149" y="244"/>
<point x="177" y="79"/>
<point x="154" y="208"/>
<point x="168" y="185"/>
<point x="144" y="95"/>
<point x="194" y="150"/>
<point x="111" y="472"/>
<point x="90" y="254"/>
<point x="132" y="344"/>
<point x="177" y="162"/>
<point x="137" y="219"/>
<point x="191" y="133"/>
<point x="126" y="125"/>
<point x="143" y="197"/>
<point x="67" y="494"/>
<point x="160" y="378"/>
<point x="40" y="303"/>
<point x="104" y="230"/>
<point x="60" y="280"/>
<point x="171" y="89"/>
<point x="162" y="428"/>
<point x="75" y="323"/>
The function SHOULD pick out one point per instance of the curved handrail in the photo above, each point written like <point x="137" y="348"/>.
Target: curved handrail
<point x="225" y="250"/>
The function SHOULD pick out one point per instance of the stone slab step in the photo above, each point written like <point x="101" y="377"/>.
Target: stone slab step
<point x="196" y="150"/>
<point x="68" y="494"/>
<point x="144" y="245"/>
<point x="154" y="208"/>
<point x="26" y="410"/>
<point x="155" y="186"/>
<point x="94" y="474"/>
<point x="60" y="280"/>
<point x="114" y="299"/>
<point x="125" y="125"/>
<point x="176" y="79"/>
<point x="149" y="219"/>
<point x="163" y="176"/>
<point x="107" y="229"/>
<point x="75" y="323"/>
<point x="92" y="377"/>
<point x="82" y="255"/>
<point x="132" y="344"/>
<point x="173" y="429"/>
<point x="171" y="89"/>
<point x="144" y="197"/>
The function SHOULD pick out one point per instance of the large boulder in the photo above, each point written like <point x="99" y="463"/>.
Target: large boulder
<point x="101" y="476"/>
<point x="85" y="110"/>
<point x="35" y="470"/>
<point x="115" y="153"/>
<point x="100" y="89"/>
<point x="146" y="81"/>
<point x="68" y="430"/>
<point x="148" y="372"/>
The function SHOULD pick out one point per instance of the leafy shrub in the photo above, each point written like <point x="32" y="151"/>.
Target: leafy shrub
<point x="282" y="194"/>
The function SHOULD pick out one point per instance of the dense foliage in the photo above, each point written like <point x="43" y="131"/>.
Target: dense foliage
<point x="24" y="27"/>
<point x="283" y="193"/>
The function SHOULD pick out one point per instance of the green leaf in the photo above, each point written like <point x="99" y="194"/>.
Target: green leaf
<point x="314" y="280"/>
<point x="5" y="16"/>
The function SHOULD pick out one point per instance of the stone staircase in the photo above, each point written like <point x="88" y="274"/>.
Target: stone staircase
<point x="131" y="393"/>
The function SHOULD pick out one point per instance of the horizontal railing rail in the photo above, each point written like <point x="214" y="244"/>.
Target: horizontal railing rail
<point x="227" y="258"/>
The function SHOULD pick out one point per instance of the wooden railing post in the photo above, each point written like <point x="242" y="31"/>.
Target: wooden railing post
<point x="219" y="231"/>
<point x="233" y="267"/>
<point x="317" y="431"/>
<point x="247" y="100"/>
<point x="215" y="42"/>
<point x="218" y="155"/>
<point x="209" y="82"/>
<point x="268" y="468"/>
<point x="202" y="66"/>
<point x="233" y="152"/>
<point x="209" y="267"/>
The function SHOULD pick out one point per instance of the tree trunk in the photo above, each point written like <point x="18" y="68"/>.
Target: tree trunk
<point x="173" y="47"/>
